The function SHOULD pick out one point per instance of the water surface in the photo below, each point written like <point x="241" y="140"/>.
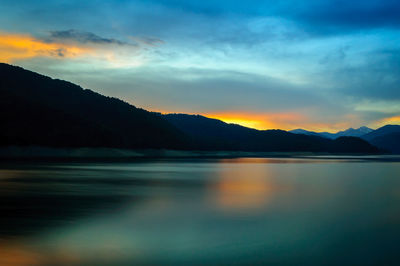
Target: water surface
<point x="285" y="211"/>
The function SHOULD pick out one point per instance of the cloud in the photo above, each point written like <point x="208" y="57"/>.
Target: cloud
<point x="342" y="16"/>
<point x="83" y="37"/>
<point x="373" y="76"/>
<point x="314" y="16"/>
<point x="150" y="41"/>
<point x="21" y="46"/>
<point x="321" y="59"/>
<point x="75" y="45"/>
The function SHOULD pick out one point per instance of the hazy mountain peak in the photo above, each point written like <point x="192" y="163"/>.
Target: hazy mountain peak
<point x="350" y="132"/>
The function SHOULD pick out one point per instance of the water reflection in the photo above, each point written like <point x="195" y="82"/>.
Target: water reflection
<point x="240" y="186"/>
<point x="14" y="254"/>
<point x="235" y="211"/>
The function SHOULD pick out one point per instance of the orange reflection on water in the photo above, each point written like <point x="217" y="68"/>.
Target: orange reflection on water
<point x="18" y="256"/>
<point x="246" y="187"/>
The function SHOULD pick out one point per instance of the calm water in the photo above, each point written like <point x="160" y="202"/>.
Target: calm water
<point x="317" y="211"/>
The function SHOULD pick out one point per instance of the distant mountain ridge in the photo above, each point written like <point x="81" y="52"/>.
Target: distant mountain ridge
<point x="351" y="132"/>
<point x="36" y="110"/>
<point x="386" y="138"/>
<point x="312" y="133"/>
<point x="218" y="135"/>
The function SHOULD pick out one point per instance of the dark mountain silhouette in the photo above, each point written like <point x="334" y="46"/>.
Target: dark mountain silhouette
<point x="37" y="110"/>
<point x="389" y="142"/>
<point x="213" y="134"/>
<point x="351" y="132"/>
<point x="312" y="133"/>
<point x="381" y="132"/>
<point x="386" y="138"/>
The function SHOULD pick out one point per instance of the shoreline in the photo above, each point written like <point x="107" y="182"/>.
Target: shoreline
<point x="112" y="154"/>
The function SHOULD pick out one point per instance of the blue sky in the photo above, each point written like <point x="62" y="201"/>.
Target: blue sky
<point x="320" y="65"/>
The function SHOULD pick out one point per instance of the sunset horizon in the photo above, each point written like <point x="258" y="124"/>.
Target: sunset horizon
<point x="264" y="66"/>
<point x="199" y="132"/>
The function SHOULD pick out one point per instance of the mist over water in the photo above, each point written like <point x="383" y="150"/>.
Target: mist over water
<point x="204" y="211"/>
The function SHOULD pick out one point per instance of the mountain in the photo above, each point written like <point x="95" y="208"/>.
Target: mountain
<point x="312" y="133"/>
<point x="382" y="131"/>
<point x="213" y="134"/>
<point x="304" y="132"/>
<point x="351" y="132"/>
<point x="36" y="110"/>
<point x="386" y="138"/>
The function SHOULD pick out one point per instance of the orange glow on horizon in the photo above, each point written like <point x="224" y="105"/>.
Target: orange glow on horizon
<point x="259" y="121"/>
<point x="393" y="120"/>
<point x="284" y="120"/>
<point x="243" y="120"/>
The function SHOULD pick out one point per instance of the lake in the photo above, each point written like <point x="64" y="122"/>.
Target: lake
<point x="276" y="211"/>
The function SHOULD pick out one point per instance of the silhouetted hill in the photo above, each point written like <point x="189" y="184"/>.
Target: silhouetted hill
<point x="304" y="132"/>
<point x="312" y="133"/>
<point x="389" y="142"/>
<point x="38" y="110"/>
<point x="381" y="132"/>
<point x="216" y="135"/>
<point x="386" y="137"/>
<point x="349" y="144"/>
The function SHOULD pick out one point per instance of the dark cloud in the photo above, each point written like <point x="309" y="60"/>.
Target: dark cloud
<point x="84" y="37"/>
<point x="329" y="15"/>
<point x="339" y="16"/>
<point x="150" y="41"/>
<point x="315" y="16"/>
<point x="59" y="52"/>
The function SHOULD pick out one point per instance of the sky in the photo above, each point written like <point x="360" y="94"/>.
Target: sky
<point x="318" y="65"/>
